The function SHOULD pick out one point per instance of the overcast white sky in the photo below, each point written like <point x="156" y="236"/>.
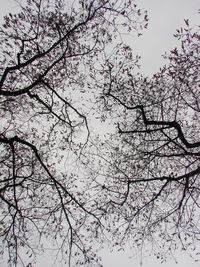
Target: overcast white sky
<point x="165" y="17"/>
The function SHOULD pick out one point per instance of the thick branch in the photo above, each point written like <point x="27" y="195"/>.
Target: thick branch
<point x="168" y="178"/>
<point x="168" y="124"/>
<point x="53" y="46"/>
<point x="56" y="183"/>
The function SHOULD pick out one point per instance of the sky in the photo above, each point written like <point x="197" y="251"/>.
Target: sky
<point x="164" y="18"/>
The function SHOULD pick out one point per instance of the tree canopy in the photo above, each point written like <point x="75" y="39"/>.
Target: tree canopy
<point x="63" y="64"/>
<point x="152" y="160"/>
